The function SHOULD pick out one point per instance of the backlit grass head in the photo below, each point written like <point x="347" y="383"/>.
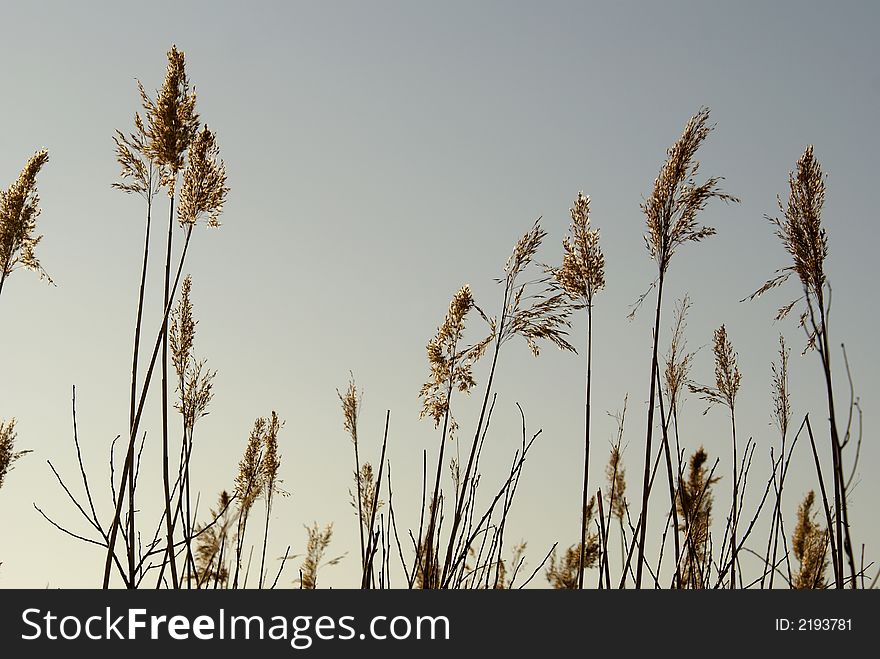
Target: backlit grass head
<point x="19" y="209"/>
<point x="203" y="191"/>
<point x="676" y="199"/>
<point x="172" y="122"/>
<point x="582" y="273"/>
<point x="803" y="236"/>
<point x="451" y="364"/>
<point x="727" y="375"/>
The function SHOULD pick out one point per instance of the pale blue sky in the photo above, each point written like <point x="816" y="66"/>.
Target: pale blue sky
<point x="379" y="156"/>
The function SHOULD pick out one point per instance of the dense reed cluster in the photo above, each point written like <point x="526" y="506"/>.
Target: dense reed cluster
<point x="459" y="537"/>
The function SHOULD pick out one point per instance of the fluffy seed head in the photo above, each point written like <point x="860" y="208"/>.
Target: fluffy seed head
<point x="203" y="191"/>
<point x="676" y="199"/>
<point x="582" y="273"/>
<point x="172" y="121"/>
<point x="727" y="375"/>
<point x="19" y="209"/>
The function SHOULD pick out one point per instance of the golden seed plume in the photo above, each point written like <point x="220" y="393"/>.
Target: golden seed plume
<point x="809" y="544"/>
<point x="582" y="273"/>
<point x="249" y="482"/>
<point x="365" y="481"/>
<point x="780" y="390"/>
<point x="172" y="122"/>
<point x="317" y="544"/>
<point x="562" y="573"/>
<point x="451" y="365"/>
<point x="801" y="232"/>
<point x="727" y="375"/>
<point x="694" y="504"/>
<point x="183" y="328"/>
<point x="351" y="402"/>
<point x="19" y="209"/>
<point x="203" y="191"/>
<point x="271" y="457"/>
<point x="195" y="382"/>
<point x="676" y="199"/>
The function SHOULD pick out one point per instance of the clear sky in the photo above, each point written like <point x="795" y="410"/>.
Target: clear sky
<point x="382" y="154"/>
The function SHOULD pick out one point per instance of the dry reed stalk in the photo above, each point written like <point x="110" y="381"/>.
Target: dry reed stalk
<point x="677" y="366"/>
<point x="195" y="392"/>
<point x="727" y="383"/>
<point x="172" y="128"/>
<point x="534" y="316"/>
<point x="581" y="276"/>
<point x="780" y="394"/>
<point x="671" y="211"/>
<point x="451" y="369"/>
<point x="19" y="210"/>
<point x="801" y="232"/>
<point x="616" y="493"/>
<point x="139" y="177"/>
<point x="249" y="484"/>
<point x="809" y="543"/>
<point x="351" y="402"/>
<point x="564" y="574"/>
<point x="695" y="509"/>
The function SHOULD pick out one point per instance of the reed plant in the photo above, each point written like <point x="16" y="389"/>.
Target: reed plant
<point x="671" y="211"/>
<point x="581" y="276"/>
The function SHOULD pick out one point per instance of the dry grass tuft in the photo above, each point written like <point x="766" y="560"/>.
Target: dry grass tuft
<point x="318" y="542"/>
<point x="616" y="475"/>
<point x="809" y="543"/>
<point x="212" y="539"/>
<point x="8" y="454"/>
<point x="369" y="504"/>
<point x="694" y="502"/>
<point x="780" y="389"/>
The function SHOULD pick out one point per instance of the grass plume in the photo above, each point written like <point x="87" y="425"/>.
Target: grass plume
<point x="19" y="210"/>
<point x="695" y="513"/>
